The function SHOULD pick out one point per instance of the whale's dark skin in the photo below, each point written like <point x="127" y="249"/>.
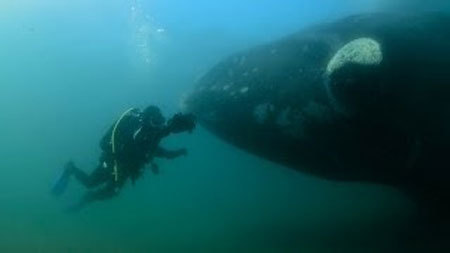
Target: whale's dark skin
<point x="386" y="123"/>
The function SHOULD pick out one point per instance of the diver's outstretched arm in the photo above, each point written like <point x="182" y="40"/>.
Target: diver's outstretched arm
<point x="169" y="154"/>
<point x="99" y="176"/>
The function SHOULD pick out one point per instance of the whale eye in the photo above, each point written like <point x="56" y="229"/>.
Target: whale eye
<point x="362" y="51"/>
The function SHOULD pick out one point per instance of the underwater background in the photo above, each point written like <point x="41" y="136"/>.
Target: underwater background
<point x="69" y="68"/>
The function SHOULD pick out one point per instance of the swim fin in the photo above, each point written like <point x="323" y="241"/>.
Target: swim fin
<point x="61" y="182"/>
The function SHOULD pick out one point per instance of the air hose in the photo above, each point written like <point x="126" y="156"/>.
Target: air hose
<point x="115" y="172"/>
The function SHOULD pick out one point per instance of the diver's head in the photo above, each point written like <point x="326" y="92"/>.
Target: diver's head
<point x="152" y="117"/>
<point x="182" y="123"/>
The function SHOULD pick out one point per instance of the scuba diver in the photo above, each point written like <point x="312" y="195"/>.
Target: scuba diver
<point x="130" y="143"/>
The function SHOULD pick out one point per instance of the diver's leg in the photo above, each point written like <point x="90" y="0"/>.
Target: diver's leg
<point x="108" y="191"/>
<point x="99" y="176"/>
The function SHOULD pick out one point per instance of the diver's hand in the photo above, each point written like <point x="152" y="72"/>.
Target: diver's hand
<point x="181" y="123"/>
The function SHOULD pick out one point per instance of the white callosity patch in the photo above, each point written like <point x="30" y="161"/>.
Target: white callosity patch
<point x="243" y="90"/>
<point x="262" y="111"/>
<point x="295" y="122"/>
<point x="291" y="122"/>
<point x="283" y="117"/>
<point x="364" y="51"/>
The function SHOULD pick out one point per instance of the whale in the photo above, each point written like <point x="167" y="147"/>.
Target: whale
<point x="365" y="98"/>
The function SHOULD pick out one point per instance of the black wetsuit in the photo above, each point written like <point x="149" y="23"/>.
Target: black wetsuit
<point x="136" y="145"/>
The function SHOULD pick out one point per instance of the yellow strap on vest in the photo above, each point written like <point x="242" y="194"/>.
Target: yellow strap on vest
<point x="115" y="172"/>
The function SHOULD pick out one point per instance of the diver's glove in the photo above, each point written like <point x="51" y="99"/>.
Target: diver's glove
<point x="181" y="123"/>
